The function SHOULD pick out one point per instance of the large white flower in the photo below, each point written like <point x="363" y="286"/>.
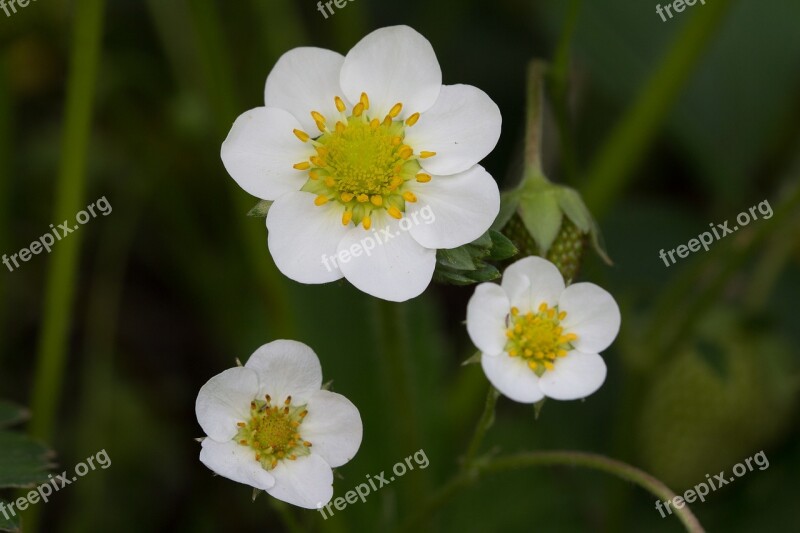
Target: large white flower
<point x="354" y="147"/>
<point x="270" y="426"/>
<point x="539" y="338"/>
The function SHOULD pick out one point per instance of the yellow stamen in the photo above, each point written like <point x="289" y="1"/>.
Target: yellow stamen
<point x="364" y="100"/>
<point x="397" y="140"/>
<point x="405" y="152"/>
<point x="321" y="126"/>
<point x="317" y="160"/>
<point x="300" y="134"/>
<point x="346" y="196"/>
<point x="394" y="212"/>
<point x="313" y="174"/>
<point x="395" y="110"/>
<point x="423" y="178"/>
<point x="366" y="222"/>
<point x="374" y="123"/>
<point x="339" y="104"/>
<point x="362" y="198"/>
<point x="377" y="200"/>
<point x="426" y="155"/>
<point x="358" y="109"/>
<point x="318" y="117"/>
<point x="410" y="121"/>
<point x="305" y="165"/>
<point x="347" y="216"/>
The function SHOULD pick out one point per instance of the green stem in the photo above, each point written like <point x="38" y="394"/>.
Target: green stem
<point x="628" y="142"/>
<point x="484" y="423"/>
<point x="534" y="120"/>
<point x="62" y="270"/>
<point x="555" y="458"/>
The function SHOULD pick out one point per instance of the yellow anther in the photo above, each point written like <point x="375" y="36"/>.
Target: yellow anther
<point x="533" y="365"/>
<point x="405" y="152"/>
<point x="561" y="353"/>
<point x="397" y="140"/>
<point x="321" y="126"/>
<point x="374" y="123"/>
<point x="562" y="315"/>
<point x="514" y="311"/>
<point x="528" y="352"/>
<point x="346" y="196"/>
<point x="542" y="307"/>
<point x="318" y="117"/>
<point x="313" y="174"/>
<point x="305" y="165"/>
<point x="396" y="182"/>
<point x="339" y="104"/>
<point x="366" y="222"/>
<point x="387" y="121"/>
<point x="364" y="100"/>
<point x="347" y="216"/>
<point x="423" y="178"/>
<point x="395" y="213"/>
<point x="377" y="200"/>
<point x="395" y="110"/>
<point x="548" y="365"/>
<point x="329" y="181"/>
<point x="358" y="109"/>
<point x="513" y="353"/>
<point x="362" y="198"/>
<point x="410" y="121"/>
<point x="300" y="134"/>
<point x="426" y="155"/>
<point x="340" y="127"/>
<point x="409" y="196"/>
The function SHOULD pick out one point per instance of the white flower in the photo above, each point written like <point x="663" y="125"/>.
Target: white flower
<point x="270" y="426"/>
<point x="538" y="338"/>
<point x="351" y="147"/>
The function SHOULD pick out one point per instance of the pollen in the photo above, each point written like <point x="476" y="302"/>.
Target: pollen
<point x="272" y="432"/>
<point x="362" y="162"/>
<point x="538" y="337"/>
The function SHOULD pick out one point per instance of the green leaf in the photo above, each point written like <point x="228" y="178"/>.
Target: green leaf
<point x="485" y="273"/>
<point x="11" y="414"/>
<point x="450" y="277"/>
<point x="24" y="462"/>
<point x="9" y="524"/>
<point x="502" y="247"/>
<point x="542" y="216"/>
<point x="473" y="359"/>
<point x="457" y="258"/>
<point x="260" y="209"/>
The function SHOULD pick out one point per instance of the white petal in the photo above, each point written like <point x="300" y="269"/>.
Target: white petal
<point x="462" y="128"/>
<point x="235" y="462"/>
<point x="531" y="281"/>
<point x="592" y="314"/>
<point x="394" y="64"/>
<point x="304" y="80"/>
<point x="260" y="151"/>
<point x="305" y="482"/>
<point x="486" y="318"/>
<point x="303" y="237"/>
<point x="453" y="210"/>
<point x="575" y="376"/>
<point x="386" y="261"/>
<point x="286" y="368"/>
<point x="333" y="426"/>
<point x="512" y="377"/>
<point x="225" y="400"/>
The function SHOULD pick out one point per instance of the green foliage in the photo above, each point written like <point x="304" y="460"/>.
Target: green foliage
<point x="470" y="263"/>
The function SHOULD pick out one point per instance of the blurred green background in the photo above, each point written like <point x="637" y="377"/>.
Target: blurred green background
<point x="667" y="127"/>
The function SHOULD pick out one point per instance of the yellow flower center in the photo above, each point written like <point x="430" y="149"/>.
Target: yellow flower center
<point x="538" y="337"/>
<point x="362" y="162"/>
<point x="273" y="432"/>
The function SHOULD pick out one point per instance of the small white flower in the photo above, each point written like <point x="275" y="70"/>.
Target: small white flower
<point x="270" y="426"/>
<point x="351" y="147"/>
<point x="539" y="338"/>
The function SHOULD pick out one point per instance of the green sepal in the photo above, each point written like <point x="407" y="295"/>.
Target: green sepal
<point x="260" y="209"/>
